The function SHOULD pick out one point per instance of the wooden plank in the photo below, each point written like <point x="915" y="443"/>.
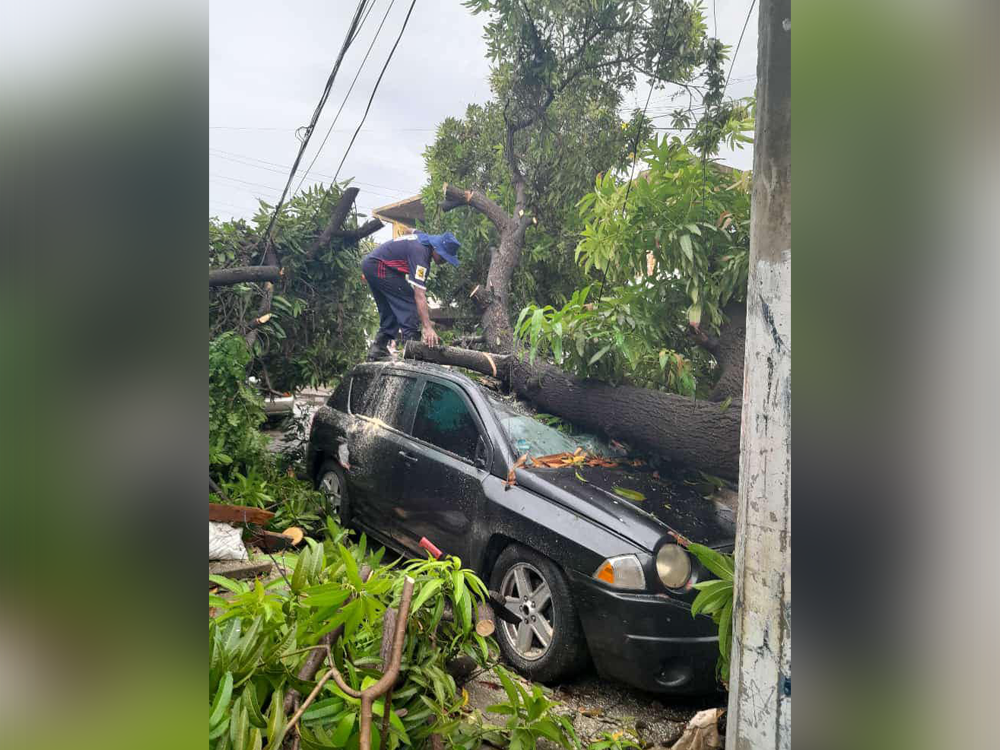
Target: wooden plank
<point x="238" y="514"/>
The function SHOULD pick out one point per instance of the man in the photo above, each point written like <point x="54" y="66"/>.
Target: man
<point x="396" y="272"/>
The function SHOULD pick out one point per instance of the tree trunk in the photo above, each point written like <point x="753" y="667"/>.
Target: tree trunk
<point x="493" y="296"/>
<point x="699" y="434"/>
<point x="728" y="351"/>
<point x="497" y="330"/>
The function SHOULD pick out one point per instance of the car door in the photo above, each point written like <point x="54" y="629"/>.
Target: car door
<point x="384" y="404"/>
<point x="443" y="491"/>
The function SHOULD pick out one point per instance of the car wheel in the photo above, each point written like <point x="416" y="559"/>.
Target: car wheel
<point x="332" y="482"/>
<point x="547" y="644"/>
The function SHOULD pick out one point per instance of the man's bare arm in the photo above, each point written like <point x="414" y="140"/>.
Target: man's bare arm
<point x="429" y="336"/>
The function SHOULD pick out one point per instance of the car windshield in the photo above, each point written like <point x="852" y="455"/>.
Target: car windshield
<point x="527" y="434"/>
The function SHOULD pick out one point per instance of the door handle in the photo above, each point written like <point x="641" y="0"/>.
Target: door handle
<point x="408" y="457"/>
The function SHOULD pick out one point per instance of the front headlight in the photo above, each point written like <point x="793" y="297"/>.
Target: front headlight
<point x="622" y="572"/>
<point x="673" y="566"/>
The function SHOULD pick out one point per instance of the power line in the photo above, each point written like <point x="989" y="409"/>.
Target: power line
<point x="247" y="160"/>
<point x="349" y="90"/>
<point x="733" y="63"/>
<point x="348" y="38"/>
<point x="291" y="130"/>
<point x="372" y="97"/>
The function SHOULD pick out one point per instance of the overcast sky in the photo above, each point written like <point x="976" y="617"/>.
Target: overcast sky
<point x="268" y="63"/>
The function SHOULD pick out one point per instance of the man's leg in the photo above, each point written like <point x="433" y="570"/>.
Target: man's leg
<point x="399" y="295"/>
<point x="388" y="323"/>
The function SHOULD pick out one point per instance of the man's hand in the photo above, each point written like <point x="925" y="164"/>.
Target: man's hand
<point x="430" y="337"/>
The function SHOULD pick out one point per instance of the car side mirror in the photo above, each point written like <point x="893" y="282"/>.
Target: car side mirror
<point x="480" y="461"/>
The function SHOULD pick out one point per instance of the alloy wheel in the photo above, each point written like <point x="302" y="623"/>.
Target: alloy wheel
<point x="332" y="489"/>
<point x="527" y="595"/>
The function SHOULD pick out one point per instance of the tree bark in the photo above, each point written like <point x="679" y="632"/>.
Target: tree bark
<point x="240" y="274"/>
<point x="727" y="349"/>
<point x="682" y="430"/>
<point x="493" y="296"/>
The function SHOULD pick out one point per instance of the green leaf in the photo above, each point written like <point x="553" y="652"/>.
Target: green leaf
<point x="694" y="314"/>
<point x="580" y="477"/>
<point x="598" y="355"/>
<point x="301" y="570"/>
<point x="426" y="592"/>
<point x="725" y="404"/>
<point x="686" y="247"/>
<point x="725" y="630"/>
<point x="508" y="686"/>
<point x="253" y="705"/>
<point x="221" y="702"/>
<point x="276" y="719"/>
<point x="693" y="228"/>
<point x="721" y="564"/>
<point x="633" y="495"/>
<point x="351" y="566"/>
<point x="343" y="730"/>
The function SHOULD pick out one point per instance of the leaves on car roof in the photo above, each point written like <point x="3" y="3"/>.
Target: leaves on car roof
<point x="633" y="495"/>
<point x="579" y="457"/>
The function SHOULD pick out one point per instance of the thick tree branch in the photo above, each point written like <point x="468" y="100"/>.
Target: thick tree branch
<point x="683" y="430"/>
<point x="455" y="197"/>
<point x="353" y="235"/>
<point x="240" y="274"/>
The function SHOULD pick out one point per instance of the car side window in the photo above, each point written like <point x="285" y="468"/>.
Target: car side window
<point x="444" y="420"/>
<point x="397" y="395"/>
<point x="338" y="400"/>
<point x="360" y="401"/>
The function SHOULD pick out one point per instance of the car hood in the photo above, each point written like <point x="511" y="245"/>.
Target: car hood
<point x="668" y="504"/>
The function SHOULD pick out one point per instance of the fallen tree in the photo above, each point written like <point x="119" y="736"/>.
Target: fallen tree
<point x="696" y="433"/>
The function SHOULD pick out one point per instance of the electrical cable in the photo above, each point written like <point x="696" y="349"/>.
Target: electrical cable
<point x="348" y="38"/>
<point x="372" y="97"/>
<point x="733" y="63"/>
<point x="349" y="90"/>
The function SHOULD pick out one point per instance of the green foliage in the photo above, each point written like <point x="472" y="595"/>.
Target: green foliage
<point x="261" y="634"/>
<point x="235" y="409"/>
<point x="715" y="598"/>
<point x="691" y="219"/>
<point x="264" y="485"/>
<point x="531" y="718"/>
<point x="615" y="342"/>
<point x="321" y="309"/>
<point x="559" y="72"/>
<point x="674" y="258"/>
<point x="559" y="166"/>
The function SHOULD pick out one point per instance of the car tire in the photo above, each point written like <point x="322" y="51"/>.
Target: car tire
<point x="332" y="482"/>
<point x="566" y="653"/>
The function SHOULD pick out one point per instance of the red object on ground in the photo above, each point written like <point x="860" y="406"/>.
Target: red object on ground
<point x="429" y="546"/>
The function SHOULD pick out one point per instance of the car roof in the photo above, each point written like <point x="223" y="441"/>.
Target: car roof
<point x="416" y="367"/>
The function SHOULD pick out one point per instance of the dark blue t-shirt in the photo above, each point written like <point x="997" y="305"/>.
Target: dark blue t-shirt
<point x="405" y="255"/>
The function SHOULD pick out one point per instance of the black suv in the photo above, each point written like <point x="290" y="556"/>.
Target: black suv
<point x="585" y="556"/>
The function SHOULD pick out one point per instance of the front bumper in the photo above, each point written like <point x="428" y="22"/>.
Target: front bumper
<point x="649" y="641"/>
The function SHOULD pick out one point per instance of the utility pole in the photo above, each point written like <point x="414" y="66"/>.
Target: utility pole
<point x="760" y="690"/>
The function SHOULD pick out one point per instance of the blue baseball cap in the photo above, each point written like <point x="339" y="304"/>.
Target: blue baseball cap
<point x="445" y="245"/>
